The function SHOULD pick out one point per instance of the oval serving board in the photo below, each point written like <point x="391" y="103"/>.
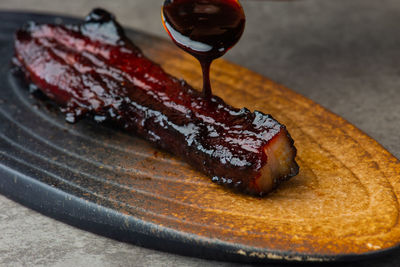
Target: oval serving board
<point x="343" y="205"/>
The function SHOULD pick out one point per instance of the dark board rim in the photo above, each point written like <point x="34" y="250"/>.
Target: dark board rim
<point x="23" y="189"/>
<point x="30" y="192"/>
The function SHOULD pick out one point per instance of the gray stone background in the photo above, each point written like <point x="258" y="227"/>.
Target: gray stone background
<point x="342" y="54"/>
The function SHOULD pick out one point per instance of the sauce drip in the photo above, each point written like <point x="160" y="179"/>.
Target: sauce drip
<point x="206" y="29"/>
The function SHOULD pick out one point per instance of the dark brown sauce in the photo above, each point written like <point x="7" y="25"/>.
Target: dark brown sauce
<point x="206" y="29"/>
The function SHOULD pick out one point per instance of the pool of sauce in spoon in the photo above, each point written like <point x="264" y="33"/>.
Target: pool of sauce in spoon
<point x="206" y="29"/>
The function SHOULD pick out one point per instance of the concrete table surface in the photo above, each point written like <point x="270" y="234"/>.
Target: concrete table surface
<point x="344" y="55"/>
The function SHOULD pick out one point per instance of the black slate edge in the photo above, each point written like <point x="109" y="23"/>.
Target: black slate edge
<point x="91" y="217"/>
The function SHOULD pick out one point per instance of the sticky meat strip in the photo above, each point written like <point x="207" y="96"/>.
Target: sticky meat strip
<point x="92" y="69"/>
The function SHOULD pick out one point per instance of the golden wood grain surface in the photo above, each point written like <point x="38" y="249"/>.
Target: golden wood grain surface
<point x="344" y="200"/>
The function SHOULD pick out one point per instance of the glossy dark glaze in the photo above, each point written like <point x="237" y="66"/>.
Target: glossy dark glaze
<point x="206" y="29"/>
<point x="93" y="69"/>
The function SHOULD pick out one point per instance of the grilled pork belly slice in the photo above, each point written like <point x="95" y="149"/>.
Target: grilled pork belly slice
<point x="92" y="69"/>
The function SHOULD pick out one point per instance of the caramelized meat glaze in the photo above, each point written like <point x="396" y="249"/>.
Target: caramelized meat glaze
<point x="92" y="69"/>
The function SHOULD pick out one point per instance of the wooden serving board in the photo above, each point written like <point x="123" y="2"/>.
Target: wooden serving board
<point x="342" y="205"/>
